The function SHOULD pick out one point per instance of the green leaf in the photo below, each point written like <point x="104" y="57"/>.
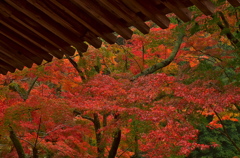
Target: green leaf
<point x="225" y="31"/>
<point x="195" y="29"/>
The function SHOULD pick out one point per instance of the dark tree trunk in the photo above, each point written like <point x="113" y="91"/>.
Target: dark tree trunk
<point x="16" y="143"/>
<point x="115" y="144"/>
<point x="35" y="152"/>
<point x="136" y="146"/>
<point x="97" y="126"/>
<point x="105" y="120"/>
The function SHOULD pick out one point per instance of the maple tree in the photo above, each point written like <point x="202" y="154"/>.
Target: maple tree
<point x="146" y="97"/>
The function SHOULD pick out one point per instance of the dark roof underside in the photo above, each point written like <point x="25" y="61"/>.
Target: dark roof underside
<point x="37" y="30"/>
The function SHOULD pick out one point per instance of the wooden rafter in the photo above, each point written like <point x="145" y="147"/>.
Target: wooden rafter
<point x="37" y="30"/>
<point x="207" y="7"/>
<point x="235" y="3"/>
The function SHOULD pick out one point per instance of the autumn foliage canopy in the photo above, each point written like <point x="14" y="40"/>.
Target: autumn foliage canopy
<point x="157" y="95"/>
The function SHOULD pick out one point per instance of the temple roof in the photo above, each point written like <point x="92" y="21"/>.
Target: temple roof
<point x="37" y="30"/>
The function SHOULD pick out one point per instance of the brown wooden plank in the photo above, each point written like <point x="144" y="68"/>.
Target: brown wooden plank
<point x="11" y="61"/>
<point x="89" y="36"/>
<point x="51" y="27"/>
<point x="235" y="3"/>
<point x="206" y="6"/>
<point x="6" y="66"/>
<point x="15" y="55"/>
<point x="38" y="51"/>
<point x="29" y="25"/>
<point x="21" y="50"/>
<point x="41" y="18"/>
<point x="41" y="5"/>
<point x="86" y="20"/>
<point x="92" y="39"/>
<point x="105" y="17"/>
<point x="53" y="12"/>
<point x="126" y="14"/>
<point x="179" y="9"/>
<point x="150" y="11"/>
<point x="48" y="48"/>
<point x="3" y="71"/>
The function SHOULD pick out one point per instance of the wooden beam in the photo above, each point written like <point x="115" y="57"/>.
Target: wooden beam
<point x="50" y="49"/>
<point x="101" y="31"/>
<point x="15" y="55"/>
<point x="51" y="11"/>
<point x="21" y="50"/>
<point x="206" y="6"/>
<point x="149" y="10"/>
<point x="92" y="39"/>
<point x="38" y="51"/>
<point x="179" y="9"/>
<point x="48" y="23"/>
<point x="105" y="17"/>
<point x="11" y="61"/>
<point x="125" y="13"/>
<point x="235" y="3"/>
<point x="3" y="71"/>
<point x="31" y="27"/>
<point x="6" y="66"/>
<point x="67" y="21"/>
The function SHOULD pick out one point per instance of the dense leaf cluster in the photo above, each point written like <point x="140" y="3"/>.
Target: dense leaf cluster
<point x="172" y="93"/>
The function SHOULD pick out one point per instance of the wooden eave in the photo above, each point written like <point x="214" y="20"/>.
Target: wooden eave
<point x="37" y="30"/>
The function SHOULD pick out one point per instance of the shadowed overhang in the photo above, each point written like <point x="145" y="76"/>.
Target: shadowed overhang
<point x="37" y="30"/>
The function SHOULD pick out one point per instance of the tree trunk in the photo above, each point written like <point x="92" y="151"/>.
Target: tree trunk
<point x="105" y="116"/>
<point x="17" y="144"/>
<point x="35" y="152"/>
<point x="97" y="126"/>
<point x="115" y="144"/>
<point x="136" y="146"/>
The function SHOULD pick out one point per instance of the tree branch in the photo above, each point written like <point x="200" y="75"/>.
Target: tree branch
<point x="35" y="150"/>
<point x="126" y="52"/>
<point x="116" y="140"/>
<point x="87" y="118"/>
<point x="16" y="143"/>
<point x="32" y="85"/>
<point x="25" y="140"/>
<point x="74" y="64"/>
<point x="225" y="132"/>
<point x="165" y="62"/>
<point x="76" y="112"/>
<point x="225" y="27"/>
<point x="21" y="91"/>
